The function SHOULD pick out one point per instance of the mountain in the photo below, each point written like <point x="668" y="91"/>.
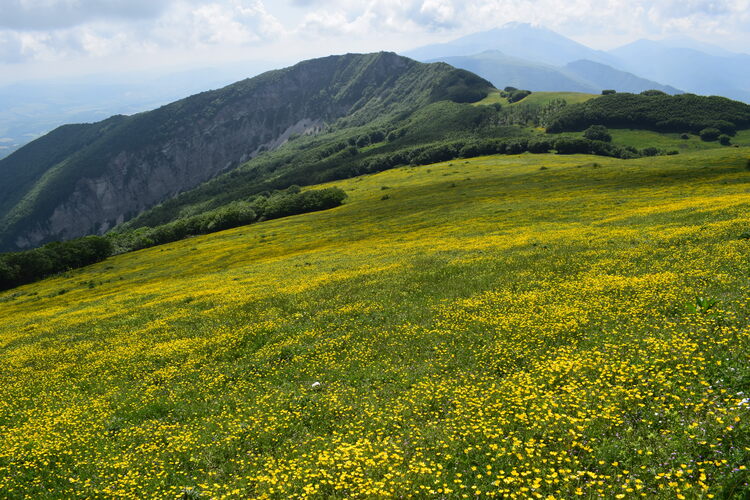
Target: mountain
<point x="577" y="76"/>
<point x="684" y="42"/>
<point x="84" y="179"/>
<point x="677" y="63"/>
<point x="519" y="40"/>
<point x="688" y="68"/>
<point x="601" y="77"/>
<point x="532" y="324"/>
<point x="503" y="70"/>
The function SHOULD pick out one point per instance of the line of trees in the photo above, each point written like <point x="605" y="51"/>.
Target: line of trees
<point x="20" y="268"/>
<point x="264" y="206"/>
<point x="454" y="150"/>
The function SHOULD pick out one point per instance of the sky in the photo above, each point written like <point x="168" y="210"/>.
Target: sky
<point x="57" y="38"/>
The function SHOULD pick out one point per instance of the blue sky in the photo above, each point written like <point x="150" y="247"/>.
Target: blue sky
<point x="51" y="38"/>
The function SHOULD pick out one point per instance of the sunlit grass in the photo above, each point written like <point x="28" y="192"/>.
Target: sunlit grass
<point x="671" y="141"/>
<point x="538" y="98"/>
<point x="515" y="326"/>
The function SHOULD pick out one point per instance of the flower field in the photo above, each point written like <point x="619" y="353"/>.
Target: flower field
<point x="520" y="326"/>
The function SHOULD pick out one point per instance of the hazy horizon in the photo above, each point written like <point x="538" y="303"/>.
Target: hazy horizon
<point x="52" y="39"/>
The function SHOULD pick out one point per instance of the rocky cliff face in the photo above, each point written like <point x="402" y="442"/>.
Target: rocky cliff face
<point x="136" y="180"/>
<point x="142" y="160"/>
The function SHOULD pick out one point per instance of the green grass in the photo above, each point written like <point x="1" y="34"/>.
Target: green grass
<point x="671" y="141"/>
<point x="537" y="98"/>
<point x="667" y="141"/>
<point x="558" y="325"/>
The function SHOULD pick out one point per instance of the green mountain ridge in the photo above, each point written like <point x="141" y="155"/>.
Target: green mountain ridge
<point x="69" y="184"/>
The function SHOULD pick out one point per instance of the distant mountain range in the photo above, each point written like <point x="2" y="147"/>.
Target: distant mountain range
<point x="525" y="56"/>
<point x="690" y="69"/>
<point x="577" y="76"/>
<point x="522" y="41"/>
<point x="522" y="55"/>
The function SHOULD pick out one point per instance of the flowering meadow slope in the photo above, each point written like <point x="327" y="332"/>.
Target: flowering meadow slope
<point x="523" y="326"/>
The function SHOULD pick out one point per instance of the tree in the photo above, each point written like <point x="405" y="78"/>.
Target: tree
<point x="608" y="92"/>
<point x="597" y="133"/>
<point x="709" y="134"/>
<point x="725" y="140"/>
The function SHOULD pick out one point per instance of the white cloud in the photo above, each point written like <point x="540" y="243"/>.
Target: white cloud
<point x="116" y="27"/>
<point x="57" y="30"/>
<point x="634" y="18"/>
<point x="54" y="14"/>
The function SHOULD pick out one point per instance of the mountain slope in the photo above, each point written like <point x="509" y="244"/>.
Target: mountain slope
<point x="569" y="326"/>
<point x="687" y="68"/>
<point x="601" y="77"/>
<point x="144" y="159"/>
<point x="503" y="70"/>
<point x="519" y="40"/>
<point x="577" y="76"/>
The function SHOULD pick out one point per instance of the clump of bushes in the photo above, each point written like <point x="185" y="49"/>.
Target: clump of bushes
<point x="514" y="95"/>
<point x="709" y="134"/>
<point x="597" y="133"/>
<point x="20" y="268"/>
<point x="725" y="140"/>
<point x="461" y="86"/>
<point x="654" y="110"/>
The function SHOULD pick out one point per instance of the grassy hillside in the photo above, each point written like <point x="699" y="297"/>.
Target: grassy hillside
<point x="538" y="98"/>
<point x="508" y="326"/>
<point x="671" y="141"/>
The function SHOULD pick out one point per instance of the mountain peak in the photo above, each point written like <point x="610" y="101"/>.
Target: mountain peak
<point x="522" y="40"/>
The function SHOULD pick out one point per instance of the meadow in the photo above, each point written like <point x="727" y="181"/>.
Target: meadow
<point x="536" y="98"/>
<point x="515" y="326"/>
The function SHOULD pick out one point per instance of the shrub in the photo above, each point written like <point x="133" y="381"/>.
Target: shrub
<point x="540" y="145"/>
<point x="572" y="145"/>
<point x="608" y="92"/>
<point x="308" y="201"/>
<point x="461" y="86"/>
<point x="597" y="133"/>
<point x="709" y="134"/>
<point x="518" y="95"/>
<point x="653" y="92"/>
<point x="725" y="140"/>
